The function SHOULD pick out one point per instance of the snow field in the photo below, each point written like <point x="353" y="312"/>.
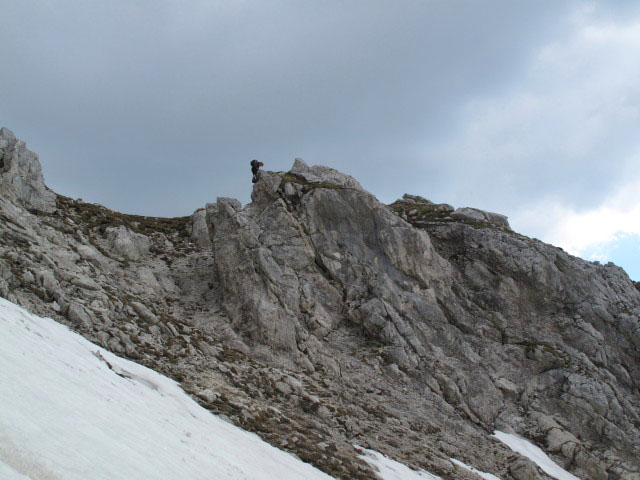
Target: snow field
<point x="535" y="454"/>
<point x="71" y="410"/>
<point x="486" y="476"/>
<point x="66" y="415"/>
<point x="389" y="469"/>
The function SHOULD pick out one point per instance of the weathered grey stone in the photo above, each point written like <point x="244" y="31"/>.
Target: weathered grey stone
<point x="145" y="313"/>
<point x="592" y="467"/>
<point x="130" y="245"/>
<point x="497" y="219"/>
<point x="323" y="412"/>
<point x="84" y="282"/>
<point x="284" y="388"/>
<point x="208" y="395"/>
<point x="265" y="190"/>
<point x="28" y="277"/>
<point x="399" y="356"/>
<point x="21" y="175"/>
<point x="558" y="438"/>
<point x="154" y="330"/>
<point x="4" y="288"/>
<point x="47" y="280"/>
<point x="468" y="214"/>
<point x="416" y="199"/>
<point x="393" y="371"/>
<point x="200" y="229"/>
<point x="524" y="469"/>
<point x="172" y="329"/>
<point x="79" y="315"/>
<point x="507" y="387"/>
<point x="319" y="174"/>
<point x="92" y="254"/>
<point x="5" y="270"/>
<point x="442" y="208"/>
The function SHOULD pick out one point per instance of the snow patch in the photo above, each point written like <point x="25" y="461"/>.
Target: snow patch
<point x="388" y="469"/>
<point x="535" y="454"/>
<point x="71" y="410"/>
<point x="486" y="476"/>
<point x="8" y="473"/>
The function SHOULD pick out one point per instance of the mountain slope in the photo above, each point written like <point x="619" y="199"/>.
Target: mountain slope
<point x="411" y="329"/>
<point x="73" y="410"/>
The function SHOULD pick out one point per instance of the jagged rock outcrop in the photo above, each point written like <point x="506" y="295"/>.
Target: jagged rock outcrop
<point x="518" y="330"/>
<point x="293" y="267"/>
<point x="320" y="318"/>
<point x="21" y="175"/>
<point x="319" y="174"/>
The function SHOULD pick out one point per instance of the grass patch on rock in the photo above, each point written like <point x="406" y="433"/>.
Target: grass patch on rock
<point x="420" y="215"/>
<point x="91" y="216"/>
<point x="422" y="212"/>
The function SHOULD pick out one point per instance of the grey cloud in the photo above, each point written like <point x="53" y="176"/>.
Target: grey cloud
<point x="156" y="107"/>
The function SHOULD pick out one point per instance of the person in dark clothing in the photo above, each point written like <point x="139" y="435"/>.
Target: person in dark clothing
<point x="255" y="169"/>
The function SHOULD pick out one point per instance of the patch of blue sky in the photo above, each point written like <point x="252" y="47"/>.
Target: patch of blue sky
<point x="623" y="250"/>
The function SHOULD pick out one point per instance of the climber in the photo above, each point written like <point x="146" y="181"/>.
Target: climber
<point x="255" y="169"/>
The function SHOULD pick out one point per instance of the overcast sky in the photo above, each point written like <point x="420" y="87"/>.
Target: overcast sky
<point x="156" y="107"/>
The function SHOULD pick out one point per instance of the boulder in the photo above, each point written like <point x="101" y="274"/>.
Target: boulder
<point x="319" y="174"/>
<point x="131" y="245"/>
<point x="145" y="313"/>
<point x="468" y="214"/>
<point x="524" y="469"/>
<point x="80" y="316"/>
<point x="417" y="199"/>
<point x="200" y="229"/>
<point x="266" y="189"/>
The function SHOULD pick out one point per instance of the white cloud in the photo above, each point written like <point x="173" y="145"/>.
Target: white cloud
<point x="589" y="233"/>
<point x="559" y="152"/>
<point x="567" y="129"/>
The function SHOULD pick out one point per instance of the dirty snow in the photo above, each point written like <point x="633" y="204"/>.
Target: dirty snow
<point x="535" y="454"/>
<point x="72" y="410"/>
<point x="388" y="469"/>
<point x="486" y="476"/>
<point x="67" y="415"/>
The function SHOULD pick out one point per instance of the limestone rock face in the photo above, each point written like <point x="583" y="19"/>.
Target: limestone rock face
<point x="320" y="318"/>
<point x="507" y="322"/>
<point x="21" y="174"/>
<point x="199" y="230"/>
<point x="319" y="174"/>
<point x="477" y="215"/>
<point x="129" y="244"/>
<point x="294" y="266"/>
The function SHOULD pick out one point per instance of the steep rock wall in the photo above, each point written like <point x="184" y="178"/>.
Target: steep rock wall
<point x="513" y="333"/>
<point x="21" y="175"/>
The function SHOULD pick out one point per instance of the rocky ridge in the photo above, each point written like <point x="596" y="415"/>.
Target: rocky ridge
<point x="320" y="318"/>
